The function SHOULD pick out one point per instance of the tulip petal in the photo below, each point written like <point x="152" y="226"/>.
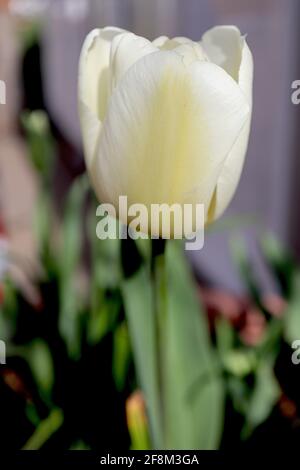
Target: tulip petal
<point x="226" y="47"/>
<point x="91" y="128"/>
<point x="223" y="45"/>
<point x="166" y="44"/>
<point x="93" y="85"/>
<point x="160" y="41"/>
<point x="168" y="130"/>
<point x="191" y="52"/>
<point x="94" y="69"/>
<point x="127" y="49"/>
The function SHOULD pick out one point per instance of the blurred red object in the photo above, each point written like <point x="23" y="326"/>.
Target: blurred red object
<point x="246" y="318"/>
<point x="274" y="304"/>
<point x="253" y="329"/>
<point x="220" y="303"/>
<point x="2" y="229"/>
<point x="4" y="4"/>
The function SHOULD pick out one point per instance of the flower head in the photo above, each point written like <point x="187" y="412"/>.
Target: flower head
<point x="166" y="121"/>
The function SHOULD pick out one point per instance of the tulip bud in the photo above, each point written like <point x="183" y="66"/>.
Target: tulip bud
<point x="137" y="421"/>
<point x="166" y="122"/>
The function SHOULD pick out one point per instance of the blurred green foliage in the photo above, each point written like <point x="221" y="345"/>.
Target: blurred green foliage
<point x="115" y="316"/>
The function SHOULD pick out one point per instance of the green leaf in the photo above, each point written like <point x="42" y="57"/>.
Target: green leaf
<point x="73" y="225"/>
<point x="239" y="362"/>
<point x="41" y="144"/>
<point x="121" y="356"/>
<point x="43" y="155"/>
<point x="139" y="308"/>
<point x="32" y="413"/>
<point x="239" y="392"/>
<point x="291" y="317"/>
<point x="280" y="261"/>
<point x="105" y="257"/>
<point x="225" y="335"/>
<point x="103" y="317"/>
<point x="8" y="311"/>
<point x="179" y="374"/>
<point x="193" y="389"/>
<point x="30" y="35"/>
<point x="263" y="398"/>
<point x="69" y="320"/>
<point x="80" y="445"/>
<point x="42" y="224"/>
<point x="45" y="430"/>
<point x="40" y="362"/>
<point x="137" y="422"/>
<point x="144" y="247"/>
<point x="245" y="267"/>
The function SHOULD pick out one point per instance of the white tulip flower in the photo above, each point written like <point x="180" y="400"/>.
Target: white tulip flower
<point x="166" y="121"/>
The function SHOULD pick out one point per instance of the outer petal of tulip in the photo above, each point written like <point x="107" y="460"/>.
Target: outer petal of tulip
<point x="93" y="85"/>
<point x="126" y="49"/>
<point x="168" y="130"/>
<point x="166" y="44"/>
<point x="225" y="46"/>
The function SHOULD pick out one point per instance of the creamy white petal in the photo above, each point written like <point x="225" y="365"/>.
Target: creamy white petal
<point x="167" y="132"/>
<point x="127" y="49"/>
<point x="91" y="128"/>
<point x="93" y="85"/>
<point x="226" y="47"/>
<point x="94" y="68"/>
<point x="166" y="44"/>
<point x="191" y="52"/>
<point x="245" y="80"/>
<point x="160" y="41"/>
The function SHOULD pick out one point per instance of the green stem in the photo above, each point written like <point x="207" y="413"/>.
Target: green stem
<point x="45" y="430"/>
<point x="158" y="276"/>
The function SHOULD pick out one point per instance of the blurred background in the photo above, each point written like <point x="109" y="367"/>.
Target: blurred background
<point x="247" y="273"/>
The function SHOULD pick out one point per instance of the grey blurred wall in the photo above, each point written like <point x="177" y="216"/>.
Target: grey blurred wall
<point x="269" y="184"/>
